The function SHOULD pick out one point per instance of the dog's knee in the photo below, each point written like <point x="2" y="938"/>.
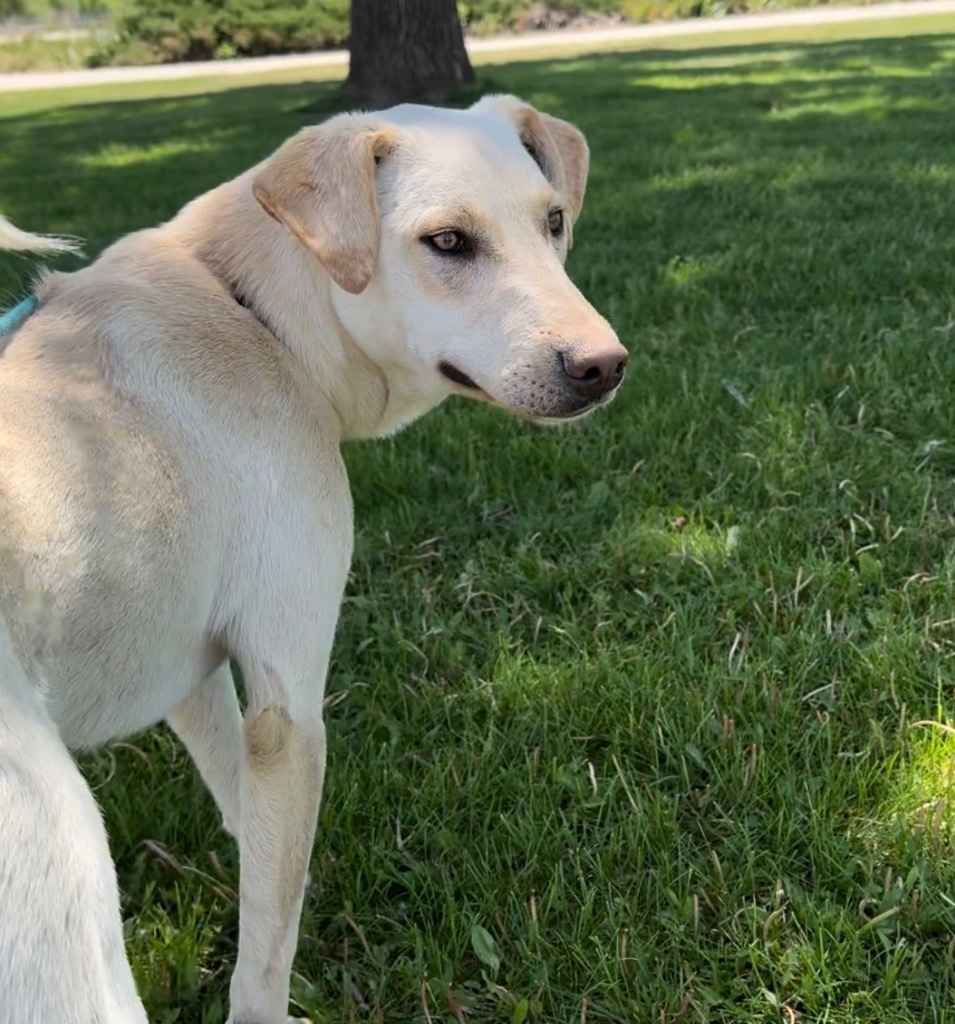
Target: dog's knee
<point x="268" y="735"/>
<point x="275" y="742"/>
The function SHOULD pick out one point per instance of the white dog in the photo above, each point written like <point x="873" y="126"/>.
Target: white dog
<point x="172" y="492"/>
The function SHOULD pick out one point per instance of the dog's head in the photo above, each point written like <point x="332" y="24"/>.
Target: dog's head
<point x="445" y="233"/>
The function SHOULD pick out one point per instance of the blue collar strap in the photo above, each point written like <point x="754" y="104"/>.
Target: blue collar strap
<point x="13" y="318"/>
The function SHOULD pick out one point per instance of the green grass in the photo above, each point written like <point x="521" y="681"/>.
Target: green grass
<point x="641" y="700"/>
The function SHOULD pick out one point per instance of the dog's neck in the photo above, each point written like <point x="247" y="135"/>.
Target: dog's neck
<point x="283" y="285"/>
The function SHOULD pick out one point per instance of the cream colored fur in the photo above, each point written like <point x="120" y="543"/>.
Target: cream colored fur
<point x="172" y="492"/>
<point x="14" y="240"/>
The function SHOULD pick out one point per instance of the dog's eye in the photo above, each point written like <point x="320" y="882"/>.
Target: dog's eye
<point x="555" y="222"/>
<point x="450" y="243"/>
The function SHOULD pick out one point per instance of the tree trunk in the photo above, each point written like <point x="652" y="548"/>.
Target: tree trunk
<point x="406" y="50"/>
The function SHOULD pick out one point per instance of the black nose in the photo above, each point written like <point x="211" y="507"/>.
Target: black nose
<point x="594" y="372"/>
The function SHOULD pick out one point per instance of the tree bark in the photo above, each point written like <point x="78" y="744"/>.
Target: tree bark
<point x="406" y="50"/>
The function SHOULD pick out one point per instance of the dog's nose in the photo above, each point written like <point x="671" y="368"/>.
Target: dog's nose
<point x="594" y="372"/>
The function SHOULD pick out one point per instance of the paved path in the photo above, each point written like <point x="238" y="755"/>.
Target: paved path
<point x="604" y="38"/>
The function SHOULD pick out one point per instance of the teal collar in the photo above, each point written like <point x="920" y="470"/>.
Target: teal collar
<point x="13" y="318"/>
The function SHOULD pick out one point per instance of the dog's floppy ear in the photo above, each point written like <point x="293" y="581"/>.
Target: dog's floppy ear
<point x="321" y="186"/>
<point x="556" y="146"/>
<point x="574" y="155"/>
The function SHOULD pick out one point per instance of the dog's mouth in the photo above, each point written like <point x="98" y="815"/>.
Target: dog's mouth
<point x="576" y="414"/>
<point x="451" y="373"/>
<point x="571" y="417"/>
<point x="456" y="376"/>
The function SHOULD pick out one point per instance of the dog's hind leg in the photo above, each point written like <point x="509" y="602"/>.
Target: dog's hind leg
<point x="209" y="723"/>
<point x="281" y="790"/>
<point x="61" y="939"/>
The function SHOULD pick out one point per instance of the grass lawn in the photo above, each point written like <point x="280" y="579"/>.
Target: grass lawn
<point x="641" y="721"/>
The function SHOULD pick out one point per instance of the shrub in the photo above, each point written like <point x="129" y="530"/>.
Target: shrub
<point x="172" y="30"/>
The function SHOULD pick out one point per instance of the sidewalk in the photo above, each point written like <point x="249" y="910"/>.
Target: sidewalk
<point x="604" y="38"/>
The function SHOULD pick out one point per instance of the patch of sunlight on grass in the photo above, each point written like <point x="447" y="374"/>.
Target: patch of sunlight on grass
<point x="678" y="538"/>
<point x="118" y="154"/>
<point x="874" y="107"/>
<point x="875" y="104"/>
<point x="737" y="71"/>
<point x="915" y="174"/>
<point x="670" y="182"/>
<point x="678" y="81"/>
<point x="730" y="60"/>
<point x="939" y="103"/>
<point x="924" y="792"/>
<point x="684" y="273"/>
<point x="519" y="681"/>
<point x="515" y="675"/>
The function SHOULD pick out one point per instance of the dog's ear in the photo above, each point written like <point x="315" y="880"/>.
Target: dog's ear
<point x="321" y="186"/>
<point x="561" y="152"/>
<point x="556" y="146"/>
<point x="574" y="156"/>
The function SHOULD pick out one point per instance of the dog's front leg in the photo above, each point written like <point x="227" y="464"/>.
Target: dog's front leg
<point x="280" y="791"/>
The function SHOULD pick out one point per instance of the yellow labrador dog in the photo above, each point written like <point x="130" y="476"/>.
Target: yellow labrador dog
<point x="172" y="492"/>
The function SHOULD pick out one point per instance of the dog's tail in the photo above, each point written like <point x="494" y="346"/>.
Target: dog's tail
<point x="15" y="240"/>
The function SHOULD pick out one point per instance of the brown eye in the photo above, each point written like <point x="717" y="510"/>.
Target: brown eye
<point x="555" y="222"/>
<point x="448" y="242"/>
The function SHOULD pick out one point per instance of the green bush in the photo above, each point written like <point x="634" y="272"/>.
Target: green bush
<point x="172" y="30"/>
